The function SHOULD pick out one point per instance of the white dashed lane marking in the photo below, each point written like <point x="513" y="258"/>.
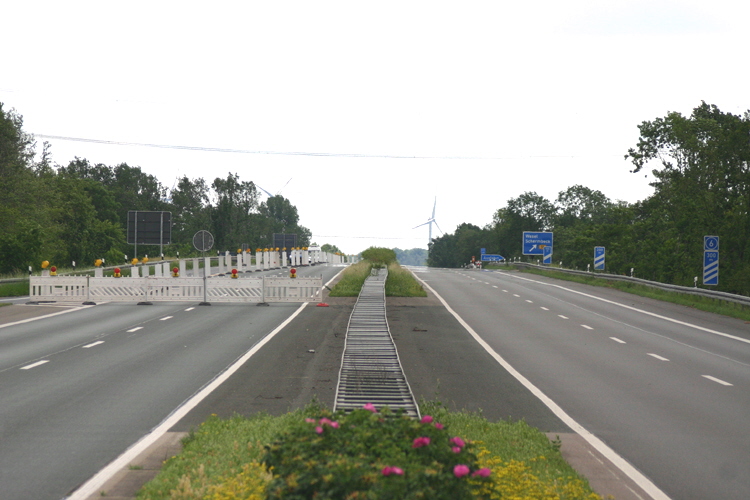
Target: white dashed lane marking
<point x="618" y="340"/>
<point x="660" y="358"/>
<point x="717" y="380"/>
<point x="166" y="318"/>
<point x="87" y="346"/>
<point x="135" y="329"/>
<point x="587" y="327"/>
<point x="561" y="316"/>
<point x="34" y="365"/>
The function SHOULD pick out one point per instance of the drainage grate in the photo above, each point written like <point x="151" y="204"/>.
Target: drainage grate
<point x="370" y="368"/>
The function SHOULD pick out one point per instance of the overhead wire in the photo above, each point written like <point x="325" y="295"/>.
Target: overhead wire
<point x="284" y="153"/>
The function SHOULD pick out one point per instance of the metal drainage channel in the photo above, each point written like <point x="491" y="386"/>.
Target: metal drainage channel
<point x="371" y="371"/>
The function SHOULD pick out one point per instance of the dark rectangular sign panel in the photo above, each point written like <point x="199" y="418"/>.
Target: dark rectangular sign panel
<point x="282" y="240"/>
<point x="149" y="228"/>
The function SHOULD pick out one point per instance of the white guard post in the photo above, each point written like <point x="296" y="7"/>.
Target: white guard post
<point x="98" y="272"/>
<point x="166" y="271"/>
<point x="206" y="266"/>
<point x="196" y="269"/>
<point x="305" y="257"/>
<point x="283" y="258"/>
<point x="266" y="260"/>
<point x="258" y="259"/>
<point x="183" y="268"/>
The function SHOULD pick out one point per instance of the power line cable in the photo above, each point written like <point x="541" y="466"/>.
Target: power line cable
<point x="283" y="153"/>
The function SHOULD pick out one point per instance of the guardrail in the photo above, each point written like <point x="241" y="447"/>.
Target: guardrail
<point x="701" y="292"/>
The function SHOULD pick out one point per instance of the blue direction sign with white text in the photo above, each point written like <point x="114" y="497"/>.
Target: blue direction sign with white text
<point x="534" y="242"/>
<point x="710" y="260"/>
<point x="489" y="257"/>
<point x="599" y="258"/>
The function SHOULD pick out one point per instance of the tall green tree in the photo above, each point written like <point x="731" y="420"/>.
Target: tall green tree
<point x="702" y="187"/>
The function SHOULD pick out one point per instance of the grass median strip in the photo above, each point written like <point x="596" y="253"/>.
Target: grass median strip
<point x="367" y="454"/>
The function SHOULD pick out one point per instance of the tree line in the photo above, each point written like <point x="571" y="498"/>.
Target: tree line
<point x="701" y="167"/>
<point x="78" y="212"/>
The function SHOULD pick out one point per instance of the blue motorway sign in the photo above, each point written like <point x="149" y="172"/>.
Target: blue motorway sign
<point x="599" y="258"/>
<point x="534" y="242"/>
<point x="710" y="243"/>
<point x="710" y="268"/>
<point x="489" y="257"/>
<point x="547" y="254"/>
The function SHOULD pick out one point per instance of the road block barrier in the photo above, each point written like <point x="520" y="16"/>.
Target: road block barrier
<point x="168" y="289"/>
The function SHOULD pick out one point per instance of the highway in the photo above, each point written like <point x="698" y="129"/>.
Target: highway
<point x="665" y="386"/>
<point x="81" y="386"/>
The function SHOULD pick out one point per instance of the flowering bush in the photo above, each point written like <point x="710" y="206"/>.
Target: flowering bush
<point x="368" y="454"/>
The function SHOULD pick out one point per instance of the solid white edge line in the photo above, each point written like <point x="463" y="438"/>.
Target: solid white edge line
<point x="665" y="318"/>
<point x="717" y="380"/>
<point x="594" y="441"/>
<point x="91" y="486"/>
<point x="29" y="320"/>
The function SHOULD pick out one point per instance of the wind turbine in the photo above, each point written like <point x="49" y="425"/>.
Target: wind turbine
<point x="278" y="192"/>
<point x="430" y="221"/>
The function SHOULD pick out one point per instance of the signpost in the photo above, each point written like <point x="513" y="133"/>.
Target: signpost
<point x="599" y="258"/>
<point x="547" y="254"/>
<point x="149" y="228"/>
<point x="710" y="260"/>
<point x="535" y="242"/>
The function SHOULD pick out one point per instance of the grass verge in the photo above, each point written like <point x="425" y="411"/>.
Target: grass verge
<point x="223" y="459"/>
<point x="14" y="289"/>
<point x="716" y="306"/>
<point x="400" y="282"/>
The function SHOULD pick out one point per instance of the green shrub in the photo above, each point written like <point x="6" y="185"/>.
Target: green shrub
<point x="379" y="257"/>
<point x="371" y="455"/>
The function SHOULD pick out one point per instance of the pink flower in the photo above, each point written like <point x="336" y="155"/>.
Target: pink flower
<point x="460" y="470"/>
<point x="387" y="471"/>
<point x="325" y="421"/>
<point x="426" y="420"/>
<point x="456" y="449"/>
<point x="370" y="407"/>
<point x="458" y="442"/>
<point x="310" y="420"/>
<point x="438" y="425"/>
<point x="319" y="430"/>
<point x="482" y="472"/>
<point x="335" y="425"/>
<point x="420" y="442"/>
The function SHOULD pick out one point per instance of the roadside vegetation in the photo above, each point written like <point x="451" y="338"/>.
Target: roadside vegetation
<point x="14" y="289"/>
<point x="451" y="455"/>
<point x="400" y="282"/>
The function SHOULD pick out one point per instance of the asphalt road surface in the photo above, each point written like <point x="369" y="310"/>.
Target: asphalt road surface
<point x="80" y="386"/>
<point x="651" y="380"/>
<point x="665" y="386"/>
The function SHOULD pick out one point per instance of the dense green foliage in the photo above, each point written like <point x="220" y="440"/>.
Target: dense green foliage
<point x="702" y="170"/>
<point x="379" y="257"/>
<point x="370" y="455"/>
<point x="78" y="212"/>
<point x="223" y="459"/>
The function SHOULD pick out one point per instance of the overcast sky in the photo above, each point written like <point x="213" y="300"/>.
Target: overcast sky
<point x="372" y="109"/>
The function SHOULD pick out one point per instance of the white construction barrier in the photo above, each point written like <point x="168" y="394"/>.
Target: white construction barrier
<point x="169" y="289"/>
